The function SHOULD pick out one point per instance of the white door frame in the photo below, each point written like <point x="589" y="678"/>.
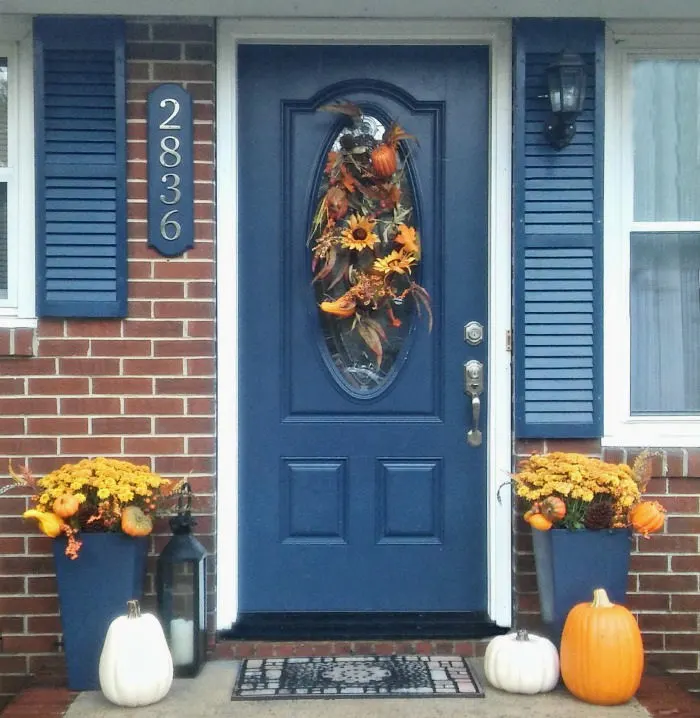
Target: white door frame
<point x="495" y="34"/>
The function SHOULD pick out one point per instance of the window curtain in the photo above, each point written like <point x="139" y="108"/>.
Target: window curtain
<point x="3" y="112"/>
<point x="3" y="185"/>
<point x="665" y="266"/>
<point x="3" y="240"/>
<point x="665" y="319"/>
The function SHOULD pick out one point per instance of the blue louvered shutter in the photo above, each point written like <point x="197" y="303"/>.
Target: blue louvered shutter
<point x="80" y="108"/>
<point x="558" y="235"/>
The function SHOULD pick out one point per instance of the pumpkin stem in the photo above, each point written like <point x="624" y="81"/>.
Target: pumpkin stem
<point x="600" y="599"/>
<point x="522" y="635"/>
<point x="133" y="610"/>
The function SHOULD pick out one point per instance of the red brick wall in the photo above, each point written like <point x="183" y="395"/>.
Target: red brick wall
<point x="664" y="580"/>
<point x="141" y="388"/>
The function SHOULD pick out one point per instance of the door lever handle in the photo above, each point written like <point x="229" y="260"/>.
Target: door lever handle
<point x="474" y="386"/>
<point x="474" y="436"/>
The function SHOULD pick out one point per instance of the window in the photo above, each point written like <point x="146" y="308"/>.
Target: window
<point x="652" y="243"/>
<point x="16" y="176"/>
<point x="5" y="179"/>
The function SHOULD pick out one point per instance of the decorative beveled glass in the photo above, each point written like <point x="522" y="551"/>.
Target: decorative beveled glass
<point x="347" y="355"/>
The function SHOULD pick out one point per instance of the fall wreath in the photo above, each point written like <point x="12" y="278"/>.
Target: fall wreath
<point x="365" y="249"/>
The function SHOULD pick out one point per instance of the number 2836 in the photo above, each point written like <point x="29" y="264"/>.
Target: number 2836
<point x="170" y="159"/>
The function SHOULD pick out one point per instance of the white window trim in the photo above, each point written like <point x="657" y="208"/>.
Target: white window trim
<point x="16" y="44"/>
<point x="624" y="42"/>
<point x="498" y="36"/>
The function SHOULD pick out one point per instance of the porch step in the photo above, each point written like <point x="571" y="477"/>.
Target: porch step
<point x="315" y="626"/>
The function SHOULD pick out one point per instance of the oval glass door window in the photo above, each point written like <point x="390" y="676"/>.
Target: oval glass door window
<point x="366" y="252"/>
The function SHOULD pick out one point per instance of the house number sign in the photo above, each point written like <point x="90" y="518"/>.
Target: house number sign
<point x="170" y="170"/>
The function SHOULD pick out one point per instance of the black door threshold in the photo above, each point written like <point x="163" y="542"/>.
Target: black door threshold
<point x="313" y="626"/>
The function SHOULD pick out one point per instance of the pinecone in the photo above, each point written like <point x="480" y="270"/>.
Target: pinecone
<point x="598" y="515"/>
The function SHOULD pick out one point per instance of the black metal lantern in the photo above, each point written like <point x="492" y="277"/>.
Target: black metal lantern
<point x="566" y="82"/>
<point x="181" y="588"/>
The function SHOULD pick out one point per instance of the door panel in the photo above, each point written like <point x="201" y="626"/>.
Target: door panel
<point x="353" y="501"/>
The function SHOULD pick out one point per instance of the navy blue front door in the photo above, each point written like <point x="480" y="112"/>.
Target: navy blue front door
<point x="354" y="500"/>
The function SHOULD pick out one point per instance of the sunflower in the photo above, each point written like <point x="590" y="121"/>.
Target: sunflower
<point x="399" y="262"/>
<point x="408" y="239"/>
<point x="359" y="233"/>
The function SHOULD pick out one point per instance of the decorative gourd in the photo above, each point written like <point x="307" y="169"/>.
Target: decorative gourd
<point x="647" y="517"/>
<point x="553" y="508"/>
<point x="66" y="506"/>
<point x="384" y="160"/>
<point x="136" y="668"/>
<point x="602" y="655"/>
<point x="522" y="662"/>
<point x="135" y="523"/>
<point x="538" y="521"/>
<point x="342" y="307"/>
<point x="49" y="523"/>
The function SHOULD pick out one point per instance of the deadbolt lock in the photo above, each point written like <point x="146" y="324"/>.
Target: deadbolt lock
<point x="473" y="333"/>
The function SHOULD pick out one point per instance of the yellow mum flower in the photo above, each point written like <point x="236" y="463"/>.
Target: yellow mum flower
<point x="578" y="480"/>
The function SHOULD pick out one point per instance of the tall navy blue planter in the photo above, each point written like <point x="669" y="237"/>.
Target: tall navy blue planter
<point x="92" y="591"/>
<point x="570" y="564"/>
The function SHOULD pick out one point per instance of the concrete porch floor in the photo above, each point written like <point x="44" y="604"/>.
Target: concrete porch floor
<point x="210" y="693"/>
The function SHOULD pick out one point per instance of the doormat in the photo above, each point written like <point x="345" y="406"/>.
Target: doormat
<point x="356" y="677"/>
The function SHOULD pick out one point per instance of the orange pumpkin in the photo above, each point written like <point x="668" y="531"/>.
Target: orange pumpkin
<point x="602" y="655"/>
<point x="647" y="517"/>
<point x="553" y="508"/>
<point x="384" y="160"/>
<point x="135" y="522"/>
<point x="66" y="506"/>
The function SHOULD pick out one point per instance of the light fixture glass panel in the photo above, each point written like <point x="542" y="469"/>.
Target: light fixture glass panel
<point x="572" y="97"/>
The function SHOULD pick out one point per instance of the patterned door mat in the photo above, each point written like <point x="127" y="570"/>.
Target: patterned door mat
<point x="356" y="677"/>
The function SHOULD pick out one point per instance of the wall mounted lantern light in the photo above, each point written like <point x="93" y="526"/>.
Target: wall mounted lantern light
<point x="566" y="82"/>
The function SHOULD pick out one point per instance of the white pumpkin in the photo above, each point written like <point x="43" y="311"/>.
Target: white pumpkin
<point x="136" y="668"/>
<point x="522" y="662"/>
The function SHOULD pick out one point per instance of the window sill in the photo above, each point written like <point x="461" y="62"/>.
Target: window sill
<point x="14" y="322"/>
<point x="670" y="434"/>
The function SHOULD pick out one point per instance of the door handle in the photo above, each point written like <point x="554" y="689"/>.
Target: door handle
<point x="473" y="387"/>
